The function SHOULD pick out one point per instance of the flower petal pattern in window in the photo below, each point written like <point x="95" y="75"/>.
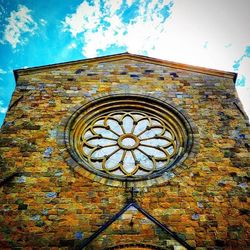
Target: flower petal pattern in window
<point x="128" y="137"/>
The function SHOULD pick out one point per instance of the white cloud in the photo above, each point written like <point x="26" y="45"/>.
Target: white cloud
<point x="181" y="38"/>
<point x="129" y="2"/>
<point x="3" y="109"/>
<point x="43" y="22"/>
<point x="137" y="36"/>
<point x="86" y="18"/>
<point x="194" y="22"/>
<point x="3" y="71"/>
<point x="113" y="6"/>
<point x="72" y="46"/>
<point x="20" y="22"/>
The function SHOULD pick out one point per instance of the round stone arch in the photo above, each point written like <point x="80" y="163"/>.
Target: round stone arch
<point x="83" y="114"/>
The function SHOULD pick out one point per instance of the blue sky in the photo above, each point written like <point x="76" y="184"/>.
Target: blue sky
<point x="213" y="34"/>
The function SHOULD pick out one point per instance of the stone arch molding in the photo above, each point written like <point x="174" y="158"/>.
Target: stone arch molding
<point x="127" y="140"/>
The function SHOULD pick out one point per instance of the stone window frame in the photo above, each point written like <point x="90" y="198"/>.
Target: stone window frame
<point x="193" y="146"/>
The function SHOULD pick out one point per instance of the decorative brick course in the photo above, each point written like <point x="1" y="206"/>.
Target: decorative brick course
<point x="48" y="201"/>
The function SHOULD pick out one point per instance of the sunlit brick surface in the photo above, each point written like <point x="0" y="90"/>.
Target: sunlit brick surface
<point x="49" y="204"/>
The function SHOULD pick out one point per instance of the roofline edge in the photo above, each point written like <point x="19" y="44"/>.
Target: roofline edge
<point x="126" y="55"/>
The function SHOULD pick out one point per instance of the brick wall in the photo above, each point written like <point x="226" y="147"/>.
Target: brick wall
<point x="45" y="203"/>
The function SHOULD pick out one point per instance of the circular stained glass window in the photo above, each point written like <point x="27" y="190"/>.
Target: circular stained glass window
<point x="128" y="137"/>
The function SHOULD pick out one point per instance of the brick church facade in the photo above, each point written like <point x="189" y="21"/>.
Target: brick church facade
<point x="124" y="152"/>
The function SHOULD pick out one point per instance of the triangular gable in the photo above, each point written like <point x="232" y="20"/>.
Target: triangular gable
<point x="135" y="205"/>
<point x="139" y="58"/>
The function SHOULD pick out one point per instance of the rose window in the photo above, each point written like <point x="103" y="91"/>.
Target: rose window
<point x="128" y="143"/>
<point x="127" y="138"/>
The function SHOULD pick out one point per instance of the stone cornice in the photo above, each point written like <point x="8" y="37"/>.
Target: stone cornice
<point x="140" y="58"/>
